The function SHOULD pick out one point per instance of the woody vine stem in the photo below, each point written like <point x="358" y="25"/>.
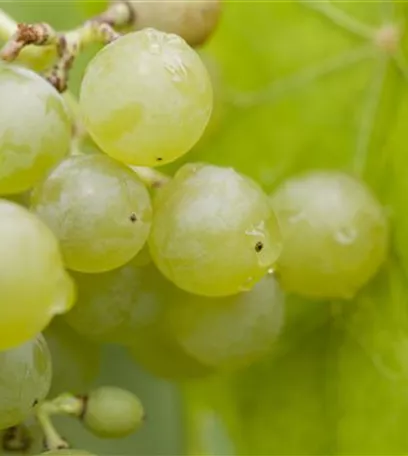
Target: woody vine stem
<point x="33" y="42"/>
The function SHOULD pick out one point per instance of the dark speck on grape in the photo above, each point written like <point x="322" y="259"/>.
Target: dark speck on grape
<point x="258" y="246"/>
<point x="133" y="217"/>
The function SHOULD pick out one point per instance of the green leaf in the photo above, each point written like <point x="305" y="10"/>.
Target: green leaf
<point x="300" y="90"/>
<point x="309" y="85"/>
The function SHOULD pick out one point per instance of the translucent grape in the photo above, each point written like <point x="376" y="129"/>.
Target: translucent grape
<point x="25" y="377"/>
<point x="99" y="210"/>
<point x="190" y="336"/>
<point x="75" y="360"/>
<point x="34" y="285"/>
<point x="335" y="234"/>
<point x="171" y="333"/>
<point x="106" y="302"/>
<point x="191" y="19"/>
<point x="35" y="129"/>
<point x="129" y="305"/>
<point x="230" y="332"/>
<point x="146" y="98"/>
<point x="214" y="232"/>
<point x="112" y="412"/>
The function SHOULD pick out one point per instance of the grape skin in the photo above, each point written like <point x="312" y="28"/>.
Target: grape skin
<point x="214" y="232"/>
<point x="99" y="210"/>
<point x="171" y="333"/>
<point x="75" y="359"/>
<point x="335" y="234"/>
<point x="35" y="129"/>
<point x="129" y="306"/>
<point x="193" y="20"/>
<point x="146" y="98"/>
<point x="25" y="377"/>
<point x="34" y="284"/>
<point x="112" y="412"/>
<point x="231" y="332"/>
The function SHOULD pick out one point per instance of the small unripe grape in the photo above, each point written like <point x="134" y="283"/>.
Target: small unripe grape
<point x="335" y="234"/>
<point x="112" y="412"/>
<point x="193" y="20"/>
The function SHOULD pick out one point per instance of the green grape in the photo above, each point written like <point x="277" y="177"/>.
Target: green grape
<point x="129" y="306"/>
<point x="230" y="332"/>
<point x="214" y="232"/>
<point x="193" y="20"/>
<point x="335" y="234"/>
<point x="35" y="129"/>
<point x="34" y="285"/>
<point x="75" y="360"/>
<point x="146" y="98"/>
<point x="106" y="302"/>
<point x="112" y="412"/>
<point x="99" y="210"/>
<point x="171" y="333"/>
<point x="25" y="377"/>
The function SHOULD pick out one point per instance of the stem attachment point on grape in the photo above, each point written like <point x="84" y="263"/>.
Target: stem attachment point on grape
<point x="151" y="177"/>
<point x="65" y="404"/>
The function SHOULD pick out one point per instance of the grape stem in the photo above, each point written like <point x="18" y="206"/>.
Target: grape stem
<point x="100" y="29"/>
<point x="65" y="404"/>
<point x="151" y="177"/>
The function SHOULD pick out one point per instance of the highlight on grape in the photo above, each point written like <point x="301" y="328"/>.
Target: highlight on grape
<point x="192" y="268"/>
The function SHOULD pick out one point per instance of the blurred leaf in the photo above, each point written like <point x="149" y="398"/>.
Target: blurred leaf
<point x="302" y="91"/>
<point x="305" y="87"/>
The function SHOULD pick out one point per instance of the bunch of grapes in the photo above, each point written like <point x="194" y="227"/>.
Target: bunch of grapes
<point x="190" y="273"/>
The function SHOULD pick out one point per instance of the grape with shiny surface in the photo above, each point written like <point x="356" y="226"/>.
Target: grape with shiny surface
<point x="34" y="284"/>
<point x="34" y="129"/>
<point x="214" y="232"/>
<point x="335" y="234"/>
<point x="99" y="210"/>
<point x="146" y="98"/>
<point x="25" y="377"/>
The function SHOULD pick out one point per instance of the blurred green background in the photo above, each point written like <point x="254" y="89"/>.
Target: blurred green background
<point x="299" y="85"/>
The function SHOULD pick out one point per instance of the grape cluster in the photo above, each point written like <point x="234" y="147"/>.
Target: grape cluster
<point x="190" y="275"/>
